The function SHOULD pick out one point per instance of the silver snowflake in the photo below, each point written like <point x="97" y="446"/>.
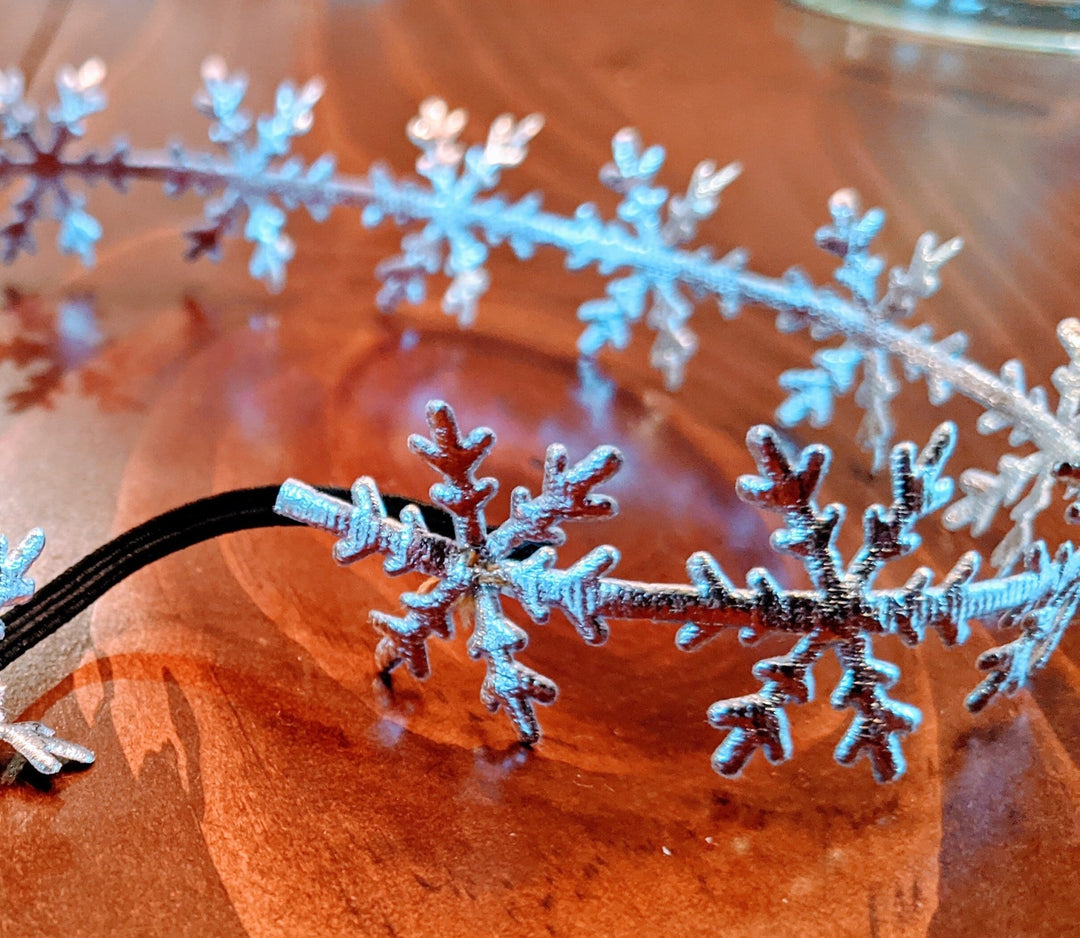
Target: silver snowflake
<point x="844" y="620"/>
<point x="457" y="175"/>
<point x="46" y="192"/>
<point x="256" y="148"/>
<point x="812" y="391"/>
<point x="33" y="742"/>
<point x="477" y="563"/>
<point x="657" y="222"/>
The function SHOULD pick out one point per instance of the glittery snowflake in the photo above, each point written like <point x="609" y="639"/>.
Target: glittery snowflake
<point x="457" y="175"/>
<point x="33" y="742"/>
<point x="477" y="564"/>
<point x="657" y="222"/>
<point x="256" y="148"/>
<point x="46" y="192"/>
<point x="813" y="391"/>
<point x="843" y="619"/>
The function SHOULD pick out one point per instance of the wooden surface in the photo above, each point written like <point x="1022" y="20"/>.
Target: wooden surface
<point x="252" y="778"/>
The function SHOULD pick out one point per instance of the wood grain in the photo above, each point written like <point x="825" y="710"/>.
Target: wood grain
<point x="252" y="777"/>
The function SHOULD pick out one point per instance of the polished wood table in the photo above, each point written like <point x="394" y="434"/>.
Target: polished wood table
<point x="253" y="777"/>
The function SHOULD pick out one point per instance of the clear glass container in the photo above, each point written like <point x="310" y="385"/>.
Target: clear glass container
<point x="1044" y="25"/>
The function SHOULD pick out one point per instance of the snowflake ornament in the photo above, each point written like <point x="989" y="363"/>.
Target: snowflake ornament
<point x="641" y="215"/>
<point x="33" y="742"/>
<point x="844" y="619"/>
<point x="254" y="148"/>
<point x="812" y="391"/>
<point x="46" y="191"/>
<point x="478" y="564"/>
<point x="457" y="176"/>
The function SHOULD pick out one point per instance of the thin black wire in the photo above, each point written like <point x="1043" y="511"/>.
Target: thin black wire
<point x="64" y="597"/>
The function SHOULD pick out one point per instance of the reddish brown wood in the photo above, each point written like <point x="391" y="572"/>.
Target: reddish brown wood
<point x="252" y="778"/>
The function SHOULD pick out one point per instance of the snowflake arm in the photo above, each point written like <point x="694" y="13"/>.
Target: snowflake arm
<point x="37" y="744"/>
<point x="921" y="278"/>
<point x="15" y="585"/>
<point x="752" y="723"/>
<point x="508" y="683"/>
<point x="879" y="720"/>
<point x="918" y="490"/>
<point x="456" y="459"/>
<point x="1042" y="624"/>
<point x="566" y="495"/>
<point x="788" y="486"/>
<point x="429" y="614"/>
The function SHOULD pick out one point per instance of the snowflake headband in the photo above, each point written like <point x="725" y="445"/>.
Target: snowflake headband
<point x="255" y="181"/>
